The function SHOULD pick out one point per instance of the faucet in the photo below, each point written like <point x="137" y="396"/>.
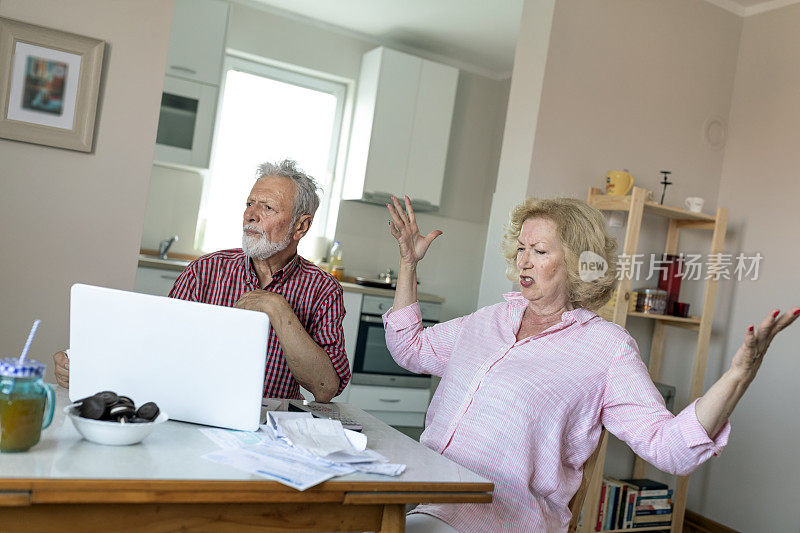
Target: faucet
<point x="164" y="245"/>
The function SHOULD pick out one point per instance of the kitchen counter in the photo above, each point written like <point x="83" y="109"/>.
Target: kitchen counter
<point x="152" y="261"/>
<point x="179" y="263"/>
<point x="355" y="287"/>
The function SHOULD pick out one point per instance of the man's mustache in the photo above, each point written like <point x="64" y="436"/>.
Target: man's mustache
<point x="249" y="227"/>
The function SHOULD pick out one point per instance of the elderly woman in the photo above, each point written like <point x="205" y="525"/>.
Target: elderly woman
<point x="527" y="384"/>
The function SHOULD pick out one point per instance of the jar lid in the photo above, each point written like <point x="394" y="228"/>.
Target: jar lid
<point x="655" y="292"/>
<point x="29" y="368"/>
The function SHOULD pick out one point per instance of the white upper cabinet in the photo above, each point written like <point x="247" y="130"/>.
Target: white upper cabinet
<point x="191" y="86"/>
<point x="401" y="129"/>
<point x="197" y="40"/>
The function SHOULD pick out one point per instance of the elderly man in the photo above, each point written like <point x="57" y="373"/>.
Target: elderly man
<point x="304" y="304"/>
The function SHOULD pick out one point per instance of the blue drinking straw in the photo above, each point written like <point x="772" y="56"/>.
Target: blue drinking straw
<point x="29" y="341"/>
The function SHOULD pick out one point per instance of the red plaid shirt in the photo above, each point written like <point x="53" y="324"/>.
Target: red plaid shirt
<point x="315" y="296"/>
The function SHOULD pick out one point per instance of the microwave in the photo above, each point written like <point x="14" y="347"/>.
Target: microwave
<point x="185" y="123"/>
<point x="372" y="362"/>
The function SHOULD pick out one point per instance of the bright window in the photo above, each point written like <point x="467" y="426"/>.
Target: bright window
<point x="268" y="114"/>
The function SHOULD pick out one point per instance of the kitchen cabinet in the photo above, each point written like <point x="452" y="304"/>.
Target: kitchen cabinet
<point x="191" y="86"/>
<point x="396" y="406"/>
<point x="352" y="308"/>
<point x="197" y="40"/>
<point x="401" y="129"/>
<point x="156" y="281"/>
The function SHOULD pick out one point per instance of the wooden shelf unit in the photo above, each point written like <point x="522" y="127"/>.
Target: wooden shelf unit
<point x="636" y="205"/>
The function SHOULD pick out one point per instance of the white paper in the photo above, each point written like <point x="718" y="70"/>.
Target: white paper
<point x="296" y="474"/>
<point x="275" y="417"/>
<point x="230" y="438"/>
<point x="366" y="456"/>
<point x="320" y="436"/>
<point x="386" y="469"/>
<point x="298" y="450"/>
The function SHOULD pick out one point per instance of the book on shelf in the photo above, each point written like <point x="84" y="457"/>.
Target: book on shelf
<point x="612" y="499"/>
<point x="662" y="507"/>
<point x="625" y="504"/>
<point x="648" y="488"/>
<point x="648" y="519"/>
<point x="601" y="509"/>
<point x="629" y="508"/>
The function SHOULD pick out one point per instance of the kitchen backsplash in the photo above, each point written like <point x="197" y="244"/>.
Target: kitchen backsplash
<point x="173" y="202"/>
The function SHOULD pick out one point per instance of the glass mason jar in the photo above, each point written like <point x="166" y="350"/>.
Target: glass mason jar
<point x="26" y="404"/>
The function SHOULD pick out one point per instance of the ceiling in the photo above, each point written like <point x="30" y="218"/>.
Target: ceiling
<point x="478" y="35"/>
<point x="745" y="8"/>
<point x="475" y="35"/>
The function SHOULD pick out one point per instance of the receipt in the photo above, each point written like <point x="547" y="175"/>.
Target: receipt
<point x="321" y="436"/>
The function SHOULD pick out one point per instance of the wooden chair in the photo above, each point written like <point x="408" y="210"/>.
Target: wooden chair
<point x="592" y="476"/>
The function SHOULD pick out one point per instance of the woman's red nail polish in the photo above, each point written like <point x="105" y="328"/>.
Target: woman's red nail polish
<point x="776" y="313"/>
<point x="751" y="328"/>
<point x="797" y="312"/>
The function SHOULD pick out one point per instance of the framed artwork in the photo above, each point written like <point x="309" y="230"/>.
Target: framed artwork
<point x="49" y="84"/>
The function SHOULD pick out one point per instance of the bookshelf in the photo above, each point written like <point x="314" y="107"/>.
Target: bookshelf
<point x="636" y="205"/>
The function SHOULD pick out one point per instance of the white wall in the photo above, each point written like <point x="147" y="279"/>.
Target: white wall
<point x="469" y="175"/>
<point x="518" y="141"/>
<point x="753" y="485"/>
<point x="70" y="216"/>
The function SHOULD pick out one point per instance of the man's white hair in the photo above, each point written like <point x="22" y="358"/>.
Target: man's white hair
<point x="306" y="201"/>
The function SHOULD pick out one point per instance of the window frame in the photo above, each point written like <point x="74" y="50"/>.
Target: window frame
<point x="340" y="88"/>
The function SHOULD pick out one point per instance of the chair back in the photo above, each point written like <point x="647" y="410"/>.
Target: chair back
<point x="592" y="476"/>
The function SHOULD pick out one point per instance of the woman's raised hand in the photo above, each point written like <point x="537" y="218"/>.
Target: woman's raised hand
<point x="403" y="227"/>
<point x="757" y="339"/>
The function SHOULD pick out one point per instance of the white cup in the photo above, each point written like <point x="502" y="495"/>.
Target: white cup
<point x="694" y="204"/>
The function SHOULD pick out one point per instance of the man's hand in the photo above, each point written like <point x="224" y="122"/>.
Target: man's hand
<point x="61" y="360"/>
<point x="310" y="365"/>
<point x="261" y="300"/>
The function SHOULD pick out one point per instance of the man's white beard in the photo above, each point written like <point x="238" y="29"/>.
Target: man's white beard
<point x="261" y="247"/>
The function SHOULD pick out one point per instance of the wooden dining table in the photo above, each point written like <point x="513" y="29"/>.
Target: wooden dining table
<point x="66" y="484"/>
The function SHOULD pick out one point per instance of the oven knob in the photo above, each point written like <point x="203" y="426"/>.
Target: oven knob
<point x="382" y="307"/>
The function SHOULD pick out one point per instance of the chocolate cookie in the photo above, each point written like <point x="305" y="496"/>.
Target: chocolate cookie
<point x="148" y="411"/>
<point x="93" y="407"/>
<point x="109" y="397"/>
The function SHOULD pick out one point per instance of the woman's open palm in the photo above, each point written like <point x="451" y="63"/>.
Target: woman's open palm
<point x="403" y="226"/>
<point x="749" y="356"/>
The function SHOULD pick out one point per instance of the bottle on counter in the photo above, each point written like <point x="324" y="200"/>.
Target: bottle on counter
<point x="336" y="267"/>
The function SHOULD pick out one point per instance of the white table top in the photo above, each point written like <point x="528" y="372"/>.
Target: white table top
<point x="173" y="452"/>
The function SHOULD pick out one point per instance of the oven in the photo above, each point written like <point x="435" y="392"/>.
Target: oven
<point x="372" y="362"/>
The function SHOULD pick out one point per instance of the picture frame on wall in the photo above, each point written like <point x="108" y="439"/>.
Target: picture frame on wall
<point x="49" y="85"/>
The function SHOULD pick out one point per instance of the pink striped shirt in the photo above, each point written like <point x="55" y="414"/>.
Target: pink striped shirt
<point x="528" y="414"/>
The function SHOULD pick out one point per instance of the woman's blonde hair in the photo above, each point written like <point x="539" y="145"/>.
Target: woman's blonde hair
<point x="581" y="228"/>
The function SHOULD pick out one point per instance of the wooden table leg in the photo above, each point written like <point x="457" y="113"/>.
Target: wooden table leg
<point x="394" y="519"/>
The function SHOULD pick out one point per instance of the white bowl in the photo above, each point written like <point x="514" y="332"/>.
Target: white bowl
<point x="113" y="433"/>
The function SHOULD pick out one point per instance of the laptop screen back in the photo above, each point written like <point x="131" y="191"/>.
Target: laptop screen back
<point x="200" y="363"/>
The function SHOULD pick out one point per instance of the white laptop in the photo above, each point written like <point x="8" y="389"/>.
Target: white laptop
<point x="200" y="363"/>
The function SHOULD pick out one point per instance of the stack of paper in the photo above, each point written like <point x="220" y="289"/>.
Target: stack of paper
<point x="298" y="450"/>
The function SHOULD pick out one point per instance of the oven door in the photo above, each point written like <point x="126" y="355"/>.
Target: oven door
<point x="373" y="364"/>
